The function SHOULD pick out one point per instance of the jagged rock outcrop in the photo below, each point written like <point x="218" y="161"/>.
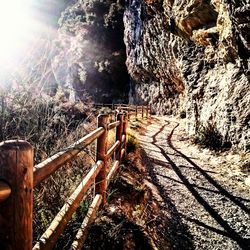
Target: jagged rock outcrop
<point x="90" y="53"/>
<point x="148" y="57"/>
<point x="193" y="56"/>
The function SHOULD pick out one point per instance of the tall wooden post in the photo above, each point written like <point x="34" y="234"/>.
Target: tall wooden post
<point x="119" y="131"/>
<point x="124" y="132"/>
<point x="128" y="112"/>
<point x="16" y="169"/>
<point x="142" y="111"/>
<point x="147" y="112"/>
<point x="101" y="151"/>
<point x="136" y="112"/>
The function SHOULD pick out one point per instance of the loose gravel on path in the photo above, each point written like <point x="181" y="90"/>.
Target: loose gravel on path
<point x="205" y="197"/>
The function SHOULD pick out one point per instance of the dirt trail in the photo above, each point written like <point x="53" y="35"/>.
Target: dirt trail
<point x="205" y="198"/>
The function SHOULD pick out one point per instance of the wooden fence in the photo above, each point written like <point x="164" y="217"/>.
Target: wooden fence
<point x="18" y="177"/>
<point x="132" y="110"/>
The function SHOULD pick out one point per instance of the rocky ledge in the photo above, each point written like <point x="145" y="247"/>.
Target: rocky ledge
<point x="192" y="57"/>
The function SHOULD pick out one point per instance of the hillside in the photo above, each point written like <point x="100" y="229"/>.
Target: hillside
<point x="189" y="58"/>
<point x="182" y="57"/>
<point x="124" y="124"/>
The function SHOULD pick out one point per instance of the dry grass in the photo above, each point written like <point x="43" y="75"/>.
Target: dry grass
<point x="50" y="125"/>
<point x="131" y="217"/>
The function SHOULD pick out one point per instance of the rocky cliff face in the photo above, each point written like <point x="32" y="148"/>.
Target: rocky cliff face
<point x="193" y="56"/>
<point x="89" y="54"/>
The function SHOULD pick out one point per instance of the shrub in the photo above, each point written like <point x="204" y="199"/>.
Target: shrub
<point x="183" y="114"/>
<point x="209" y="136"/>
<point x="132" y="143"/>
<point x="50" y="124"/>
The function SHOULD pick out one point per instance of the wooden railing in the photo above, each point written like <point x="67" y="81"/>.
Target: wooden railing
<point x="19" y="177"/>
<point x="133" y="110"/>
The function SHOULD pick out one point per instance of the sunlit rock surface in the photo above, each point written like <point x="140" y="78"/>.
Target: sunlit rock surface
<point x="192" y="56"/>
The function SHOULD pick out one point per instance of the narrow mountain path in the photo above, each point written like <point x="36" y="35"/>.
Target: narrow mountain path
<point x="204" y="197"/>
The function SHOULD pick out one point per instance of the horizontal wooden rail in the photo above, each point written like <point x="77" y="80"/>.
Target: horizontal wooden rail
<point x="49" y="166"/>
<point x="112" y="149"/>
<point x="124" y="107"/>
<point x="90" y="217"/>
<point x="19" y="177"/>
<point x="114" y="168"/>
<point x="112" y="171"/>
<point x="5" y="191"/>
<point x="49" y="238"/>
<point x="113" y="125"/>
<point x="123" y="138"/>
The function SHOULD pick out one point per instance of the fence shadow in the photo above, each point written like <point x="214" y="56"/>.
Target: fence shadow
<point x="176" y="232"/>
<point x="228" y="230"/>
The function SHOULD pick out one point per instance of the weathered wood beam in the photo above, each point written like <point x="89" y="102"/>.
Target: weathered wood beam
<point x="51" y="235"/>
<point x="119" y="131"/>
<point x="44" y="169"/>
<point x="112" y="149"/>
<point x="16" y="168"/>
<point x="101" y="151"/>
<point x="88" y="220"/>
<point x="113" y="125"/>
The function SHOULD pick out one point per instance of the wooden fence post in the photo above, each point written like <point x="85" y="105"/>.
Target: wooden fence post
<point x="101" y="151"/>
<point x="142" y="111"/>
<point x="119" y="131"/>
<point x="136" y="111"/>
<point x="147" y="112"/>
<point x="125" y="124"/>
<point x="16" y="168"/>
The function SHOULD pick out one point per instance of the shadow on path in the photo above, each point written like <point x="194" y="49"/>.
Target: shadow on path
<point x="182" y="237"/>
<point x="176" y="232"/>
<point x="207" y="176"/>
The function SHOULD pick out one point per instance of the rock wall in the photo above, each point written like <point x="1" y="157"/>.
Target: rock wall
<point x="89" y="54"/>
<point x="192" y="56"/>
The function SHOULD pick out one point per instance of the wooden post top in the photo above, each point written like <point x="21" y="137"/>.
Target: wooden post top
<point x="13" y="144"/>
<point x="120" y="116"/>
<point x="103" y="117"/>
<point x="102" y="120"/>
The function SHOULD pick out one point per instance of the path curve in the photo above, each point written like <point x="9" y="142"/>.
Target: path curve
<point x="205" y="208"/>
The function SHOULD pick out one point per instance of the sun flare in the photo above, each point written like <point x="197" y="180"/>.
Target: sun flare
<point x="15" y="27"/>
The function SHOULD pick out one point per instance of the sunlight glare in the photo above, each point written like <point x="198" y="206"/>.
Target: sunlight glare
<point x="15" y="27"/>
